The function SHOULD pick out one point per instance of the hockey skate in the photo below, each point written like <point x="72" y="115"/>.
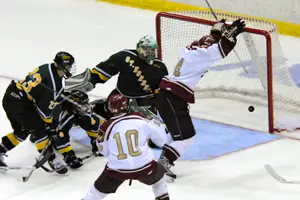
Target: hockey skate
<point x="73" y="161"/>
<point x="57" y="166"/>
<point x="167" y="165"/>
<point x="95" y="149"/>
<point x="2" y="163"/>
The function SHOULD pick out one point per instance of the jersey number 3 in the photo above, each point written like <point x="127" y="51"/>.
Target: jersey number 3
<point x="129" y="135"/>
<point x="27" y="86"/>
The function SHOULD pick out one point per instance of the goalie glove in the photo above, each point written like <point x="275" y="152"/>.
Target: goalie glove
<point x="228" y="40"/>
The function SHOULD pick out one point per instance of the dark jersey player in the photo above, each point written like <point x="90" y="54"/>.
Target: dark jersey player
<point x="139" y="72"/>
<point x="29" y="105"/>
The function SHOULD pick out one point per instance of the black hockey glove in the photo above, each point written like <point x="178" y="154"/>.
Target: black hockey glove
<point x="228" y="41"/>
<point x="234" y="30"/>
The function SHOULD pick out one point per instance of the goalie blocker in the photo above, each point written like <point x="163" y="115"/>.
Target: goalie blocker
<point x="177" y="90"/>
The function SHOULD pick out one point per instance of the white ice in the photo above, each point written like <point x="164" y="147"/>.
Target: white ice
<point x="32" y="31"/>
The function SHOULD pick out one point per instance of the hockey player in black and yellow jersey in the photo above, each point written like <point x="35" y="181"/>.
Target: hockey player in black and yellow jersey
<point x="140" y="72"/>
<point x="29" y="106"/>
<point x="70" y="115"/>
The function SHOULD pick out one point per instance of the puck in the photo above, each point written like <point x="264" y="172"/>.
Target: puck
<point x="251" y="108"/>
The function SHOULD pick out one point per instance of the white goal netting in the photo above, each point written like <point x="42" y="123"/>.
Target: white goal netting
<point x="243" y="75"/>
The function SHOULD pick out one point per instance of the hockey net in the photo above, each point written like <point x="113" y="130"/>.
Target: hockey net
<point x="255" y="74"/>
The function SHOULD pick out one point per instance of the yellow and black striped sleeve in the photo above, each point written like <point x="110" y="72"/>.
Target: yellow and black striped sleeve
<point x="105" y="70"/>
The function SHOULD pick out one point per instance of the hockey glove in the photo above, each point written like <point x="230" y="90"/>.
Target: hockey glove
<point x="234" y="30"/>
<point x="228" y="41"/>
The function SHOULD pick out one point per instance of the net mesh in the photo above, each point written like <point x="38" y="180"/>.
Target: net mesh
<point x="243" y="74"/>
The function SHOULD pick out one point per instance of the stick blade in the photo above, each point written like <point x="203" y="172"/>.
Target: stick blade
<point x="277" y="177"/>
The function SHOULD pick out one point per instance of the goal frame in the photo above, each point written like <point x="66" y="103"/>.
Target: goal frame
<point x="263" y="33"/>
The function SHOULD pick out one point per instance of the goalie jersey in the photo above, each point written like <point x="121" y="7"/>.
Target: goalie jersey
<point x="124" y="141"/>
<point x="194" y="62"/>
<point x="43" y="99"/>
<point x="136" y="78"/>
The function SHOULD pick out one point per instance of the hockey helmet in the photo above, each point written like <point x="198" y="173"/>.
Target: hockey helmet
<point x="66" y="62"/>
<point x="206" y="41"/>
<point x="117" y="104"/>
<point x="80" y="97"/>
<point x="147" y="49"/>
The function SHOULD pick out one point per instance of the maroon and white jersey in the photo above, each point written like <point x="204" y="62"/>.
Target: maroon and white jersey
<point x="125" y="141"/>
<point x="194" y="62"/>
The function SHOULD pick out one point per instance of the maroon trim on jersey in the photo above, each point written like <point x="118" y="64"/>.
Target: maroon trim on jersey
<point x="107" y="126"/>
<point x="134" y="174"/>
<point x="178" y="89"/>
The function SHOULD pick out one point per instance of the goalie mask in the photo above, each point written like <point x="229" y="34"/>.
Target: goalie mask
<point x="66" y="62"/>
<point x="147" y="49"/>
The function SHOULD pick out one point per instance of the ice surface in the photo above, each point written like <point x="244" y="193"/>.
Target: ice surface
<point x="32" y="31"/>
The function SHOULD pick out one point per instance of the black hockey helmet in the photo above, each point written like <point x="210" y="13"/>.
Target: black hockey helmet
<point x="66" y="62"/>
<point x="80" y="97"/>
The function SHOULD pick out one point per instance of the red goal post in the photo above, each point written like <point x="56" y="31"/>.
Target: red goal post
<point x="231" y="78"/>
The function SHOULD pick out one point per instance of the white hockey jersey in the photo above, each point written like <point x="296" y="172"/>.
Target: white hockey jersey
<point x="194" y="62"/>
<point x="125" y="142"/>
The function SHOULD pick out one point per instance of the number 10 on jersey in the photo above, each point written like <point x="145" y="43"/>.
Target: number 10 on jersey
<point x="133" y="147"/>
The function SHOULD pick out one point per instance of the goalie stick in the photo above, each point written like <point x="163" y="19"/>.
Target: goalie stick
<point x="145" y="111"/>
<point x="277" y="177"/>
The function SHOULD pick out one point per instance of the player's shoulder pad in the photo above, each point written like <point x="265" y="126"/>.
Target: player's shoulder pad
<point x="138" y="114"/>
<point x="105" y="125"/>
<point x="128" y="52"/>
<point x="159" y="64"/>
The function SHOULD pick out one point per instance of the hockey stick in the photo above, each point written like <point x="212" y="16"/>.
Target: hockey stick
<point x="277" y="177"/>
<point x="43" y="157"/>
<point x="84" y="108"/>
<point x="85" y="158"/>
<point x="145" y="111"/>
<point x="216" y="18"/>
